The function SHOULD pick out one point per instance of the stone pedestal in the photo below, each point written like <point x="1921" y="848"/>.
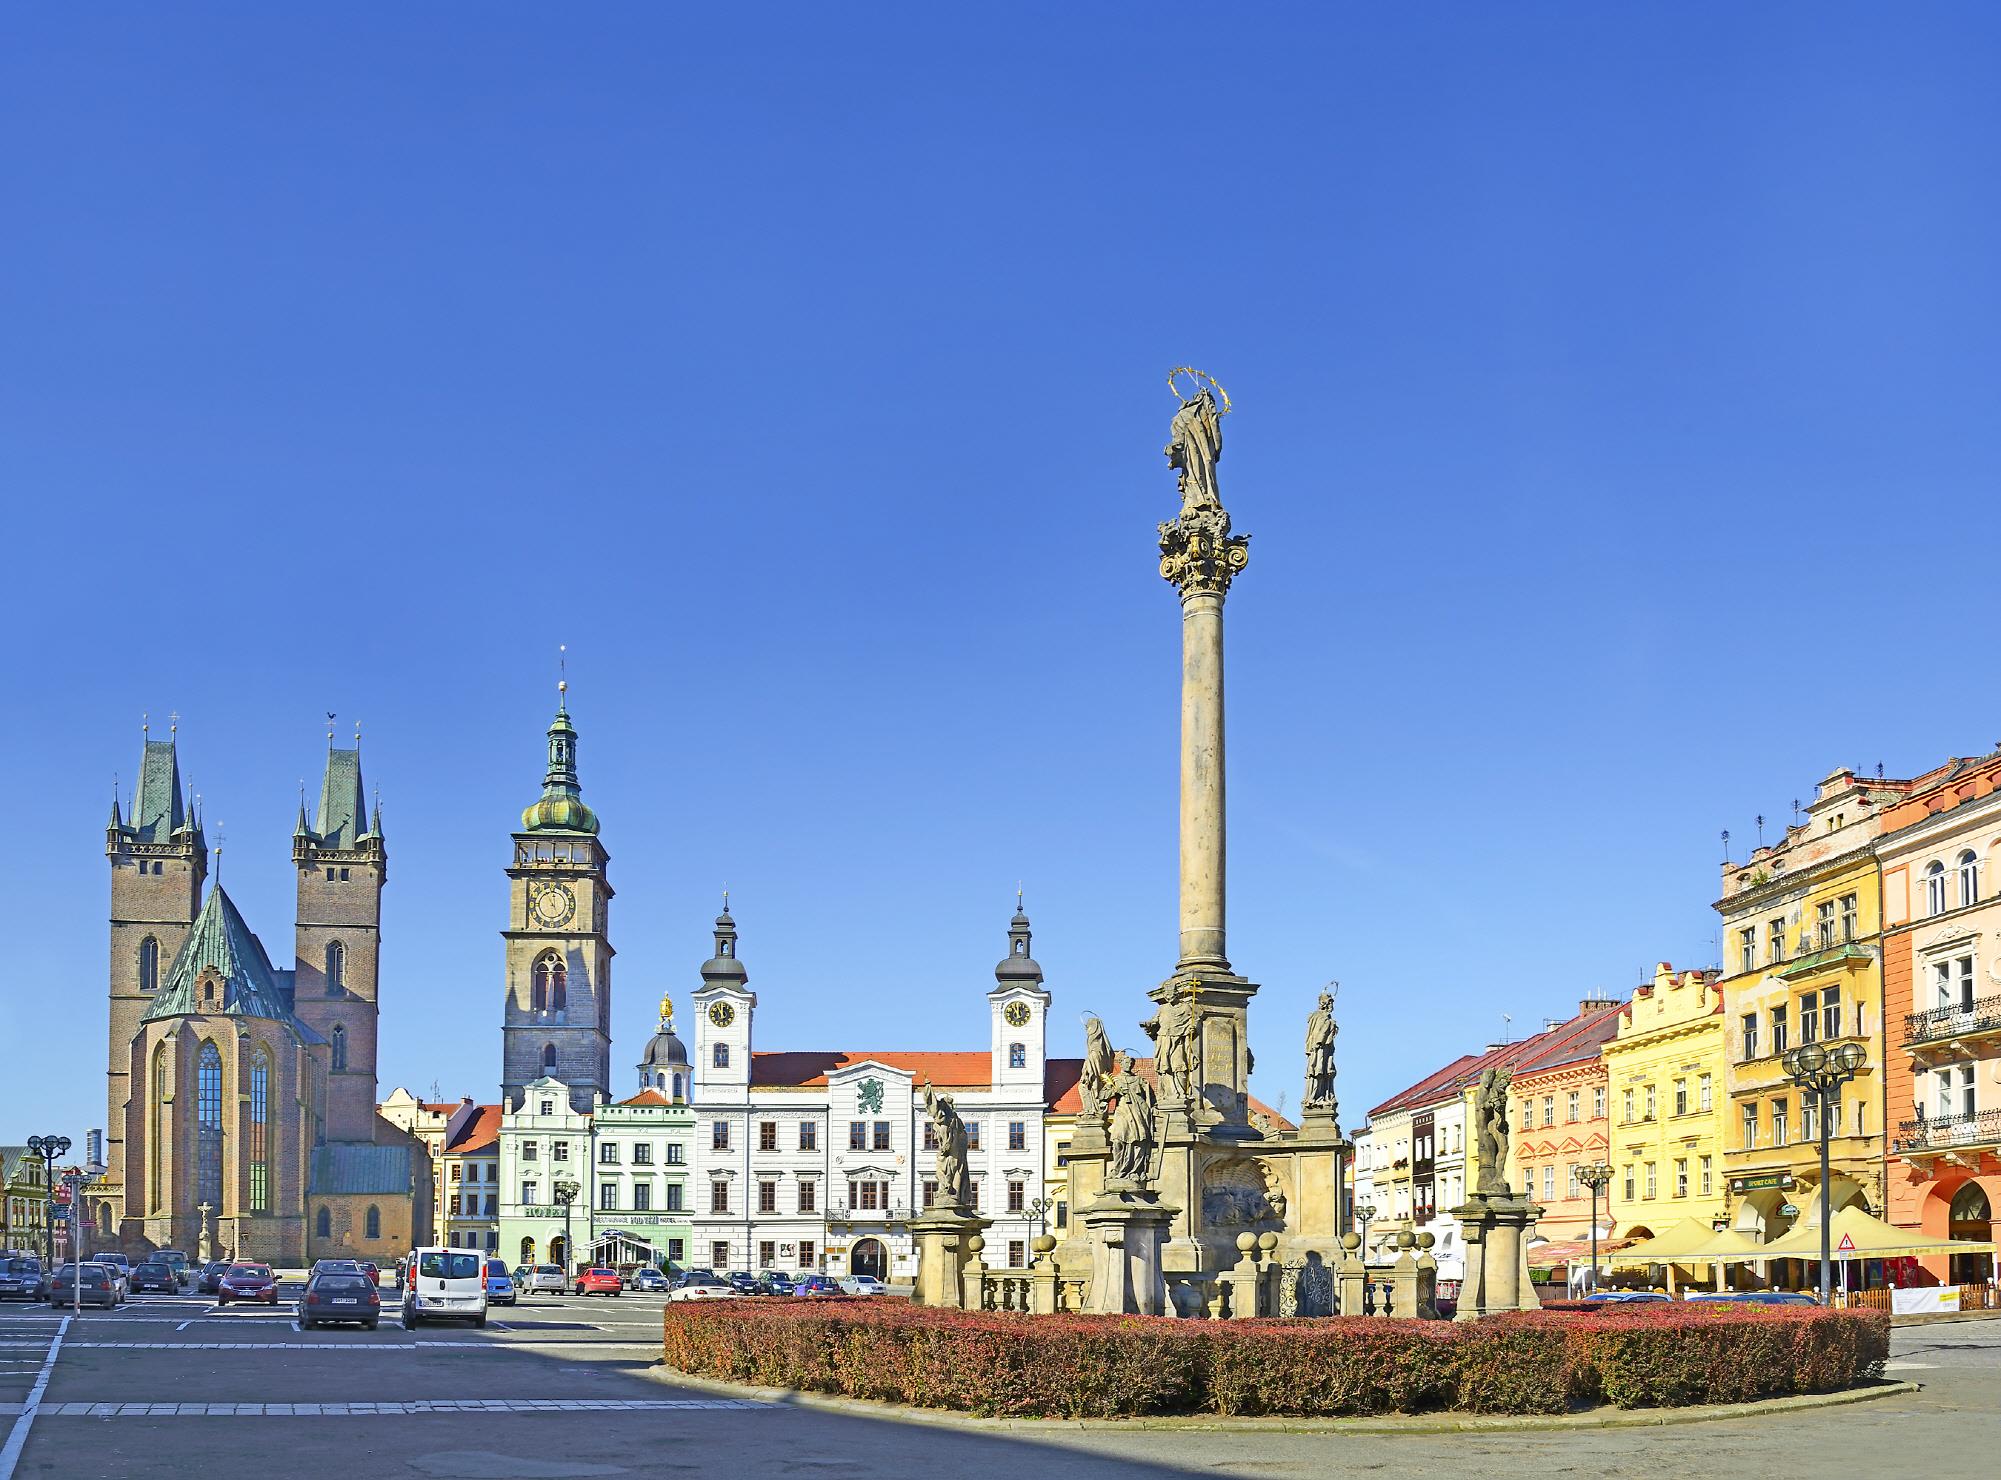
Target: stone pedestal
<point x="1127" y="1231"/>
<point x="947" y="1258"/>
<point x="1497" y="1261"/>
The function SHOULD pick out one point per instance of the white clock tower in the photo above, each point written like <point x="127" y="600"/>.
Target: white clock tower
<point x="558" y="1013"/>
<point x="1018" y="1008"/>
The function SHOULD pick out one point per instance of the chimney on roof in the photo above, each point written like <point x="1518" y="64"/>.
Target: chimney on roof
<point x="1595" y="1004"/>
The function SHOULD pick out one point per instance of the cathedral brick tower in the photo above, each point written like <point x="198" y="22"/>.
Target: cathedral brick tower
<point x="159" y="861"/>
<point x="558" y="1011"/>
<point x="342" y="866"/>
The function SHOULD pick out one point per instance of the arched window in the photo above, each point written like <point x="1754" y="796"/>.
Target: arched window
<point x="548" y="1058"/>
<point x="323" y="1224"/>
<point x="720" y="1056"/>
<point x="528" y="1251"/>
<point x="677" y="1086"/>
<point x="339" y="1056"/>
<point x="156" y="1132"/>
<point x="1969" y="878"/>
<point x="1934" y="888"/>
<point x="208" y="1126"/>
<point x="551" y="983"/>
<point x="260" y="1122"/>
<point x="336" y="967"/>
<point x="149" y="964"/>
<point x="1017" y="1056"/>
<point x="372" y="1223"/>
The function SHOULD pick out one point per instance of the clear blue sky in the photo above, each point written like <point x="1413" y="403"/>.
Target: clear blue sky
<point x="1616" y="427"/>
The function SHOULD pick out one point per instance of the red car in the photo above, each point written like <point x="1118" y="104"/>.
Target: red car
<point x="373" y="1270"/>
<point x="600" y="1282"/>
<point x="247" y="1282"/>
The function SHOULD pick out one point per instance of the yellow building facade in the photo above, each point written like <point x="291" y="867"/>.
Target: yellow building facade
<point x="1802" y="946"/>
<point x="1667" y="1072"/>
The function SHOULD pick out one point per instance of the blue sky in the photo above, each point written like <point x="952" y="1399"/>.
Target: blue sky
<point x="1615" y="427"/>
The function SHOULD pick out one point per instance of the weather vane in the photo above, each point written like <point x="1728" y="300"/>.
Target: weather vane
<point x="1196" y="380"/>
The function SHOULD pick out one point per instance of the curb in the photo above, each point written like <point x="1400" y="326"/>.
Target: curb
<point x="1409" y="1424"/>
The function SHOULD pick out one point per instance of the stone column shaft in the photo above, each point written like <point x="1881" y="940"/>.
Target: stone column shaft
<point x="1202" y="799"/>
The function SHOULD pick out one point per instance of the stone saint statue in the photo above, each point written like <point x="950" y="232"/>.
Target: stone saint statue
<point x="1174" y="1031"/>
<point x="1320" y="1031"/>
<point x="1130" y="1132"/>
<point x="205" y="1239"/>
<point x="1194" y="447"/>
<point x="950" y="1132"/>
<point x="1490" y="1130"/>
<point x="1097" y="1064"/>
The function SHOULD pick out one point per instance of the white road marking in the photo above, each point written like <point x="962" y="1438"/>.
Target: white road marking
<point x="10" y="1456"/>
<point x="337" y="1345"/>
<point x="398" y="1409"/>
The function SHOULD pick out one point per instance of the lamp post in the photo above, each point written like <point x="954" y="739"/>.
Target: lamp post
<point x="1597" y="1177"/>
<point x="565" y="1192"/>
<point x="1039" y="1210"/>
<point x="50" y="1149"/>
<point x="1364" y="1214"/>
<point x="1820" y="1073"/>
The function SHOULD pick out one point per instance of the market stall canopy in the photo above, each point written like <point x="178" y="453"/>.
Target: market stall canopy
<point x="1728" y="1247"/>
<point x="1561" y="1253"/>
<point x="1856" y="1235"/>
<point x="1681" y="1244"/>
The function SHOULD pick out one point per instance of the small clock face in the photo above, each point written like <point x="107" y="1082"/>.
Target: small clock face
<point x="721" y="1014"/>
<point x="554" y="905"/>
<point x="1017" y="1014"/>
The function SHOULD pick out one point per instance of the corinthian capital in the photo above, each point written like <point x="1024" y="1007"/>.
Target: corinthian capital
<point x="1198" y="554"/>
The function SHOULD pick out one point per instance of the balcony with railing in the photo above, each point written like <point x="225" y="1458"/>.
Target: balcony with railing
<point x="1948" y="1133"/>
<point x="1956" y="1021"/>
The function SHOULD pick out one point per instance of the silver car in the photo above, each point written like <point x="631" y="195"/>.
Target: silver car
<point x="540" y="1279"/>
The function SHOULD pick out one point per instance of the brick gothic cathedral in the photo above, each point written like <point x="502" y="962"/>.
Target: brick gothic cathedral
<point x="240" y="1095"/>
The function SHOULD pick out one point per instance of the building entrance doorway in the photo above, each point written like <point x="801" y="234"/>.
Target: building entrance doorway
<point x="1971" y="1217"/>
<point x="868" y="1257"/>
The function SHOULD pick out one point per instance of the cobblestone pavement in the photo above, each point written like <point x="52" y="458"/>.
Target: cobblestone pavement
<point x="555" y="1389"/>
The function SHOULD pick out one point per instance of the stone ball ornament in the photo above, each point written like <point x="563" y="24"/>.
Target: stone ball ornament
<point x="1042" y="1243"/>
<point x="1351" y="1241"/>
<point x="976" y="1243"/>
<point x="1246" y="1241"/>
<point x="1267" y="1241"/>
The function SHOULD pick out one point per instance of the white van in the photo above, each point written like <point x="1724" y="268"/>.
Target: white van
<point x="444" y="1285"/>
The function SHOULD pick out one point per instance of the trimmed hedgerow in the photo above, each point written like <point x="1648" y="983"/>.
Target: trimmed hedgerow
<point x="1128" y="1366"/>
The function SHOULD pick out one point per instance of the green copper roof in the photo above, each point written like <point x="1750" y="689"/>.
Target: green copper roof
<point x="343" y="819"/>
<point x="561" y="808"/>
<point x="156" y="811"/>
<point x="221" y="947"/>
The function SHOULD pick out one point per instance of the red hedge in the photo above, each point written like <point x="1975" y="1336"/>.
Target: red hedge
<point x="1125" y="1366"/>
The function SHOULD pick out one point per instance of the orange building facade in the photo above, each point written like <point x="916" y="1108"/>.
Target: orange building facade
<point x="1940" y="856"/>
<point x="1561" y="1128"/>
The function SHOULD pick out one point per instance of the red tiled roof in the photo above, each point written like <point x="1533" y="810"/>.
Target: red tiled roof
<point x="959" y="1070"/>
<point x="477" y="1133"/>
<point x="647" y="1097"/>
<point x="1433" y="1086"/>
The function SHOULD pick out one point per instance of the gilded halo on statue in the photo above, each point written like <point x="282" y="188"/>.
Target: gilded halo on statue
<point x="1196" y="380"/>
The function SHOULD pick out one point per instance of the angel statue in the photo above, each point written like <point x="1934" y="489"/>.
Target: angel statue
<point x="950" y="1133"/>
<point x="1131" y="1129"/>
<point x="1490" y="1129"/>
<point x="1097" y="1064"/>
<point x="1194" y="447"/>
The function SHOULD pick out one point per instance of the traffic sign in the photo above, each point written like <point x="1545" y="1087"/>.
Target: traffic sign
<point x="62" y="1194"/>
<point x="60" y="1213"/>
<point x="1846" y="1246"/>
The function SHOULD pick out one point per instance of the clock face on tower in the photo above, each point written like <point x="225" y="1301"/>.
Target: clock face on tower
<point x="1017" y="1014"/>
<point x="721" y="1014"/>
<point x="552" y="906"/>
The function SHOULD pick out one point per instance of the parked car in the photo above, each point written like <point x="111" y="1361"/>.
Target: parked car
<point x="253" y="1282"/>
<point x="334" y="1266"/>
<point x="88" y="1284"/>
<point x="340" y="1296"/>
<point x="694" y="1274"/>
<point x="22" y="1278"/>
<point x="444" y="1284"/>
<point x="540" y="1279"/>
<point x="774" y="1282"/>
<point x="1753" y="1297"/>
<point x="176" y="1260"/>
<point x="704" y="1287"/>
<point x="155" y="1278"/>
<point x="1627" y="1297"/>
<point x="121" y="1277"/>
<point x="862" y="1284"/>
<point x="210" y="1278"/>
<point x="600" y="1281"/>
<point x="499" y="1283"/>
<point x="648" y="1278"/>
<point x="374" y="1272"/>
<point x="817" y="1284"/>
<point x="742" y="1282"/>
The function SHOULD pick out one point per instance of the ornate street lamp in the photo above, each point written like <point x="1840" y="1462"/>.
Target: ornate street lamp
<point x="1597" y="1177"/>
<point x="1821" y="1074"/>
<point x="1040" y="1210"/>
<point x="565" y="1192"/>
<point x="1364" y="1214"/>
<point x="51" y="1149"/>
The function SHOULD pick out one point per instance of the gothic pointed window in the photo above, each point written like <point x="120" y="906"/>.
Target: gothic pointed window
<point x="208" y="1126"/>
<point x="156" y="1133"/>
<point x="149" y="964"/>
<point x="339" y="1055"/>
<point x="323" y="1223"/>
<point x="551" y="992"/>
<point x="336" y="967"/>
<point x="372" y="1222"/>
<point x="260" y="1129"/>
